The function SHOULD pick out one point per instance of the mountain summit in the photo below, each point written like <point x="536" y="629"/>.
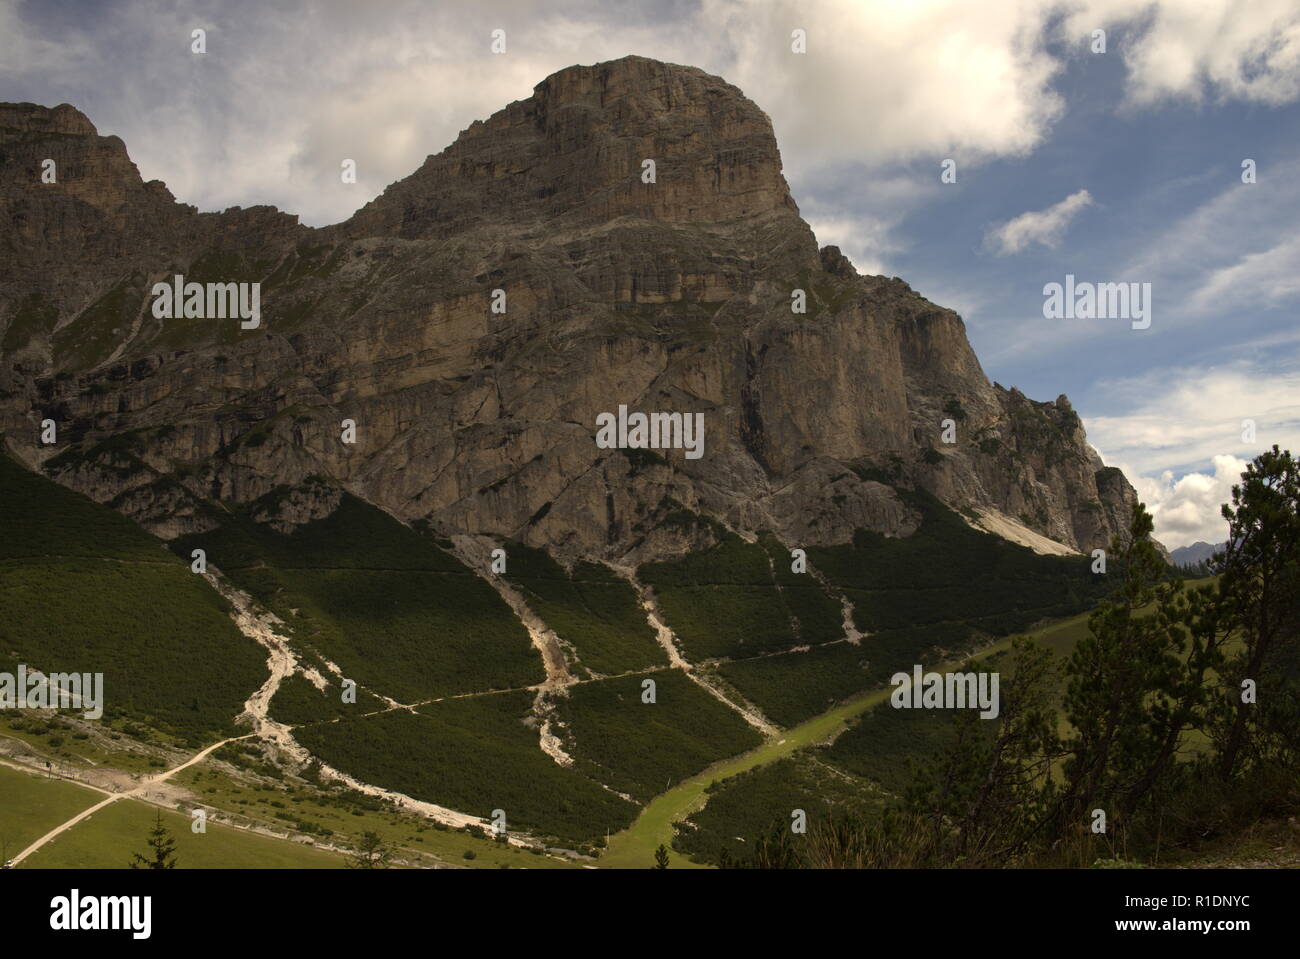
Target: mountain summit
<point x="572" y="155"/>
<point x="621" y="242"/>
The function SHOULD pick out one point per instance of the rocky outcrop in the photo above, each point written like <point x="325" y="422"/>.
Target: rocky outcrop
<point x="475" y="319"/>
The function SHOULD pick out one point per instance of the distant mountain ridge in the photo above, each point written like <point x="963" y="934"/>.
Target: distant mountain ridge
<point x="1198" y="552"/>
<point x="670" y="295"/>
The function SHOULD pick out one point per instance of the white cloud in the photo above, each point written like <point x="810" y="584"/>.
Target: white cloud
<point x="1183" y="445"/>
<point x="288" y="90"/>
<point x="865" y="240"/>
<point x="884" y="82"/>
<point x="1198" y="49"/>
<point x="1182" y="417"/>
<point x="1045" y="227"/>
<point x="1238" y="245"/>
<point x="865" y="227"/>
<point x="1257" y="279"/>
<point x="22" y="48"/>
<point x="1186" y="509"/>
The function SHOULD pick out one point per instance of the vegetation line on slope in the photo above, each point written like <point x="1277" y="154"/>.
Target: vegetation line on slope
<point x="634" y="847"/>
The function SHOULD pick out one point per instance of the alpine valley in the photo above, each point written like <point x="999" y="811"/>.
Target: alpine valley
<point x="374" y="546"/>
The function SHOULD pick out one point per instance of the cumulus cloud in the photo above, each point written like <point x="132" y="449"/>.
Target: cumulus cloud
<point x="1045" y="227"/>
<point x="1201" y="49"/>
<point x="1186" y="509"/>
<point x="884" y="82"/>
<point x="289" y="90"/>
<point x="866" y="240"/>
<point x="1184" y="446"/>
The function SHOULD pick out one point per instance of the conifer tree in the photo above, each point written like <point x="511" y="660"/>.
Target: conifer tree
<point x="162" y="849"/>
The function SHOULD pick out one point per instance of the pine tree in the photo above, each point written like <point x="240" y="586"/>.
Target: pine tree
<point x="661" y="857"/>
<point x="1260" y="585"/>
<point x="986" y="798"/>
<point x="163" y="848"/>
<point x="1127" y="685"/>
<point x="372" y="853"/>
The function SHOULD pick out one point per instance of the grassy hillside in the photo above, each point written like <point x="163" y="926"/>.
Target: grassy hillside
<point x="298" y="701"/>
<point x="961" y="588"/>
<point x="473" y="755"/>
<point x="946" y="588"/>
<point x="792" y="686"/>
<point x="593" y="609"/>
<point x="948" y="572"/>
<point x="763" y="800"/>
<point x="740" y="599"/>
<point x="84" y="589"/>
<point x="405" y="619"/>
<point x="872" y="759"/>
<point x="395" y="612"/>
<point x="638" y="747"/>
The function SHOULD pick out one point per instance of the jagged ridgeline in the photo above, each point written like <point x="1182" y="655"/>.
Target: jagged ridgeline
<point x="476" y="320"/>
<point x="424" y="382"/>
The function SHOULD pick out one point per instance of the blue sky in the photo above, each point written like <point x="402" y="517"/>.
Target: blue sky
<point x="1122" y="166"/>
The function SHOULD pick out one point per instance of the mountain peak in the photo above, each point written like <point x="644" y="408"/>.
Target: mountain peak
<point x="27" y="119"/>
<point x="626" y="138"/>
<point x="622" y="239"/>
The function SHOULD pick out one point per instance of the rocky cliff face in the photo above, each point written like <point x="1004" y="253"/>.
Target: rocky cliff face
<point x="673" y="295"/>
